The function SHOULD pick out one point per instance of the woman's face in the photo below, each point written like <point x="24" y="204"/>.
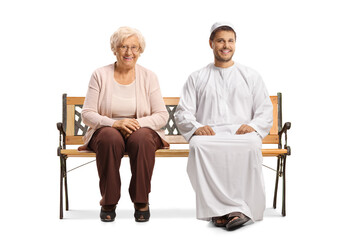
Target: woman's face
<point x="128" y="52"/>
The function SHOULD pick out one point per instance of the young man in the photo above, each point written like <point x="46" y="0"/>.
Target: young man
<point x="224" y="112"/>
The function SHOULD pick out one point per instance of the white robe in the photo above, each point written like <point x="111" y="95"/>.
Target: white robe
<point x="225" y="170"/>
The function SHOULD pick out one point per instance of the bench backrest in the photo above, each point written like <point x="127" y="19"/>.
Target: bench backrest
<point x="75" y="128"/>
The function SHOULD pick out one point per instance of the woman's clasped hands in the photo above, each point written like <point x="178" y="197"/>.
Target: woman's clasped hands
<point x="126" y="126"/>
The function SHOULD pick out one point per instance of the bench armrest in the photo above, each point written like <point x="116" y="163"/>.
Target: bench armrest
<point x="284" y="130"/>
<point x="60" y="127"/>
<point x="62" y="136"/>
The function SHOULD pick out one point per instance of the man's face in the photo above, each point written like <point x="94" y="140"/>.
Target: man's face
<point x="223" y="45"/>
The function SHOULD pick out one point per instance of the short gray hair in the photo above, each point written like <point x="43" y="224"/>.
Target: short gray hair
<point x="123" y="33"/>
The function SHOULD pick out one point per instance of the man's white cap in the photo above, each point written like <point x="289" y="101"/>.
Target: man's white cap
<point x="221" y="24"/>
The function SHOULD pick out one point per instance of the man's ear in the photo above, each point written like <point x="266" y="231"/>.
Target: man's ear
<point x="211" y="44"/>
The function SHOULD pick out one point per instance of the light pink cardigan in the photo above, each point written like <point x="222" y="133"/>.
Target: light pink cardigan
<point x="150" y="108"/>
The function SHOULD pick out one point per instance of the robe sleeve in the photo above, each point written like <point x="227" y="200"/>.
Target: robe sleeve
<point x="185" y="115"/>
<point x="262" y="109"/>
<point x="90" y="113"/>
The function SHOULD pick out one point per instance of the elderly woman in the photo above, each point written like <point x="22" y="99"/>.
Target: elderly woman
<point x="125" y="112"/>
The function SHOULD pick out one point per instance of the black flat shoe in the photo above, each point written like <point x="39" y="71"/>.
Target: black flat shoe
<point x="142" y="216"/>
<point x="235" y="223"/>
<point x="220" y="221"/>
<point x="107" y="215"/>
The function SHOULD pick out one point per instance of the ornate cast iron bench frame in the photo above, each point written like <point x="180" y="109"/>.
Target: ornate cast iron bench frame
<point x="71" y="130"/>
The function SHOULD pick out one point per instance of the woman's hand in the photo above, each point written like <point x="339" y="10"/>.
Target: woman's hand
<point x="125" y="134"/>
<point x="126" y="126"/>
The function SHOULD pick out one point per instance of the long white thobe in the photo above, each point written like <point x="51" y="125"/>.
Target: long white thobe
<point x="225" y="169"/>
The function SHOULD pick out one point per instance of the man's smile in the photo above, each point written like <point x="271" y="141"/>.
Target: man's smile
<point x="225" y="51"/>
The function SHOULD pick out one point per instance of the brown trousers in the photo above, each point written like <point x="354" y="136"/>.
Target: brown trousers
<point x="110" y="146"/>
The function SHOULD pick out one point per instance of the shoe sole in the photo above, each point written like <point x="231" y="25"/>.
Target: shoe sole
<point x="107" y="220"/>
<point x="235" y="224"/>
<point x="145" y="220"/>
<point x="104" y="214"/>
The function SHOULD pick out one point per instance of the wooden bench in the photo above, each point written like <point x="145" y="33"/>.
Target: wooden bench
<point x="72" y="129"/>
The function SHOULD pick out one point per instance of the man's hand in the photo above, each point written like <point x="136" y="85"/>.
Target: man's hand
<point x="126" y="125"/>
<point x="205" y="130"/>
<point x="244" y="129"/>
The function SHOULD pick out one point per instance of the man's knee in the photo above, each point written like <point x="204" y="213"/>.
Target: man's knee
<point x="196" y="142"/>
<point x="253" y="140"/>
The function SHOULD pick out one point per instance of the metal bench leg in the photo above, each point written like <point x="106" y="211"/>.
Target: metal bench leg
<point x="276" y="182"/>
<point x="61" y="186"/>
<point x="284" y="189"/>
<point x="66" y="187"/>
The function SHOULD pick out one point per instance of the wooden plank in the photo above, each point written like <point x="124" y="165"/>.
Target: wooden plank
<point x="70" y="121"/>
<point x="178" y="139"/>
<point x="159" y="153"/>
<point x="76" y="153"/>
<point x="274" y="128"/>
<point x="167" y="153"/>
<point x="171" y="139"/>
<point x="271" y="139"/>
<point x="273" y="152"/>
<point x="80" y="100"/>
<point x="171" y="100"/>
<point x="75" y="100"/>
<point x="175" y="139"/>
<point x="74" y="140"/>
<point x="172" y="153"/>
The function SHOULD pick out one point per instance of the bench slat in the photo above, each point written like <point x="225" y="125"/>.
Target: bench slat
<point x="75" y="100"/>
<point x="171" y="139"/>
<point x="70" y="130"/>
<point x="274" y="128"/>
<point x="167" y="153"/>
<point x="171" y="100"/>
<point x="271" y="139"/>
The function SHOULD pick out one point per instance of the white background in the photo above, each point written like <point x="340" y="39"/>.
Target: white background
<point x="308" y="50"/>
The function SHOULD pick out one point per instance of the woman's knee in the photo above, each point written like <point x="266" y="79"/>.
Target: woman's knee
<point x="109" y="136"/>
<point x="142" y="137"/>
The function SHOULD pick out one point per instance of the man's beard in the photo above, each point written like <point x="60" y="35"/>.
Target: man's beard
<point x="220" y="59"/>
